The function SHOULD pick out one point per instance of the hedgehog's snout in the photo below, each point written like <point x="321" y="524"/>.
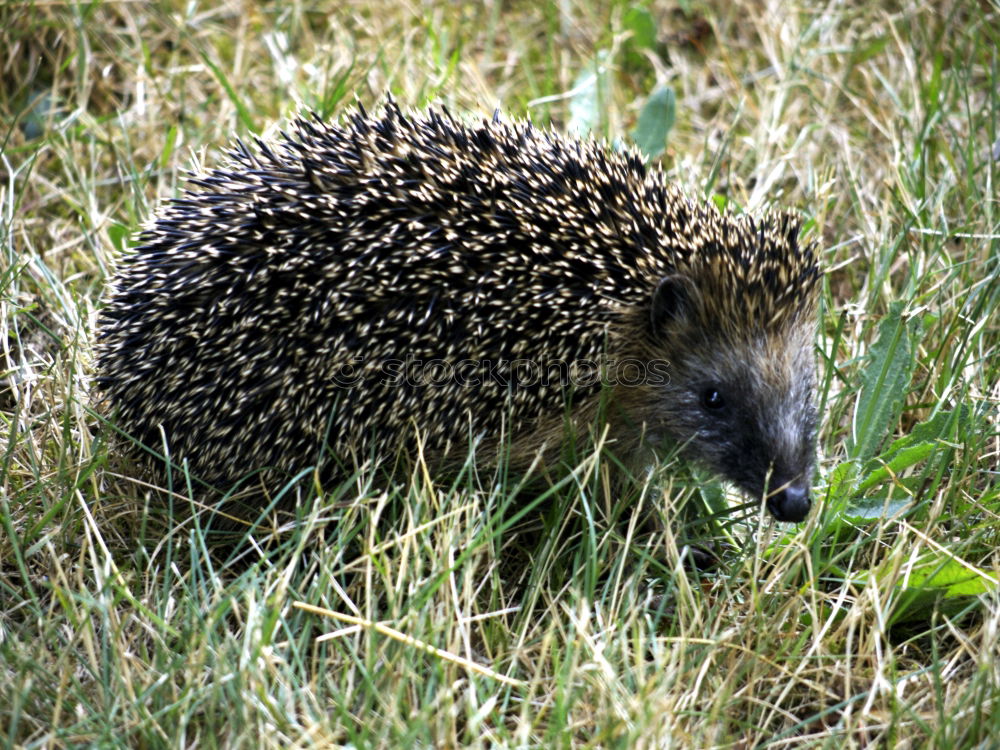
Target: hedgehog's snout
<point x="790" y="503"/>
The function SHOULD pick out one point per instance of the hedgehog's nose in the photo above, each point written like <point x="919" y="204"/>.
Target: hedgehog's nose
<point x="790" y="504"/>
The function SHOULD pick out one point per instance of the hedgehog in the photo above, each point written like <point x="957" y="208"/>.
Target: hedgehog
<point x="411" y="282"/>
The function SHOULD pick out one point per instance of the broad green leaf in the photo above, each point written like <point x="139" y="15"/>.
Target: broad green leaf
<point x="937" y="580"/>
<point x="586" y="105"/>
<point x="655" y="122"/>
<point x="904" y="458"/>
<point x="873" y="508"/>
<point x="942" y="426"/>
<point x="842" y="480"/>
<point x="118" y="234"/>
<point x="953" y="577"/>
<point x="714" y="497"/>
<point x="640" y="23"/>
<point x="883" y="384"/>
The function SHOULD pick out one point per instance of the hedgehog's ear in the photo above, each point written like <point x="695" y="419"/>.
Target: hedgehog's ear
<point x="671" y="302"/>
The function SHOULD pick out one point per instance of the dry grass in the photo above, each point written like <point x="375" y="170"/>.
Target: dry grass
<point x="120" y="625"/>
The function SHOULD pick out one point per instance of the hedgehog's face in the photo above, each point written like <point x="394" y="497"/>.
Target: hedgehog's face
<point x="741" y="405"/>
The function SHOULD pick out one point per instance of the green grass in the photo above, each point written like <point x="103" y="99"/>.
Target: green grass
<point x="875" y="623"/>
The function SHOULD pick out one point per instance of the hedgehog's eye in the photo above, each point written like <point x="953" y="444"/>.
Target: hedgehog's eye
<point x="711" y="399"/>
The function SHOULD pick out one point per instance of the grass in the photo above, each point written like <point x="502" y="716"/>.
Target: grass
<point x="873" y="624"/>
